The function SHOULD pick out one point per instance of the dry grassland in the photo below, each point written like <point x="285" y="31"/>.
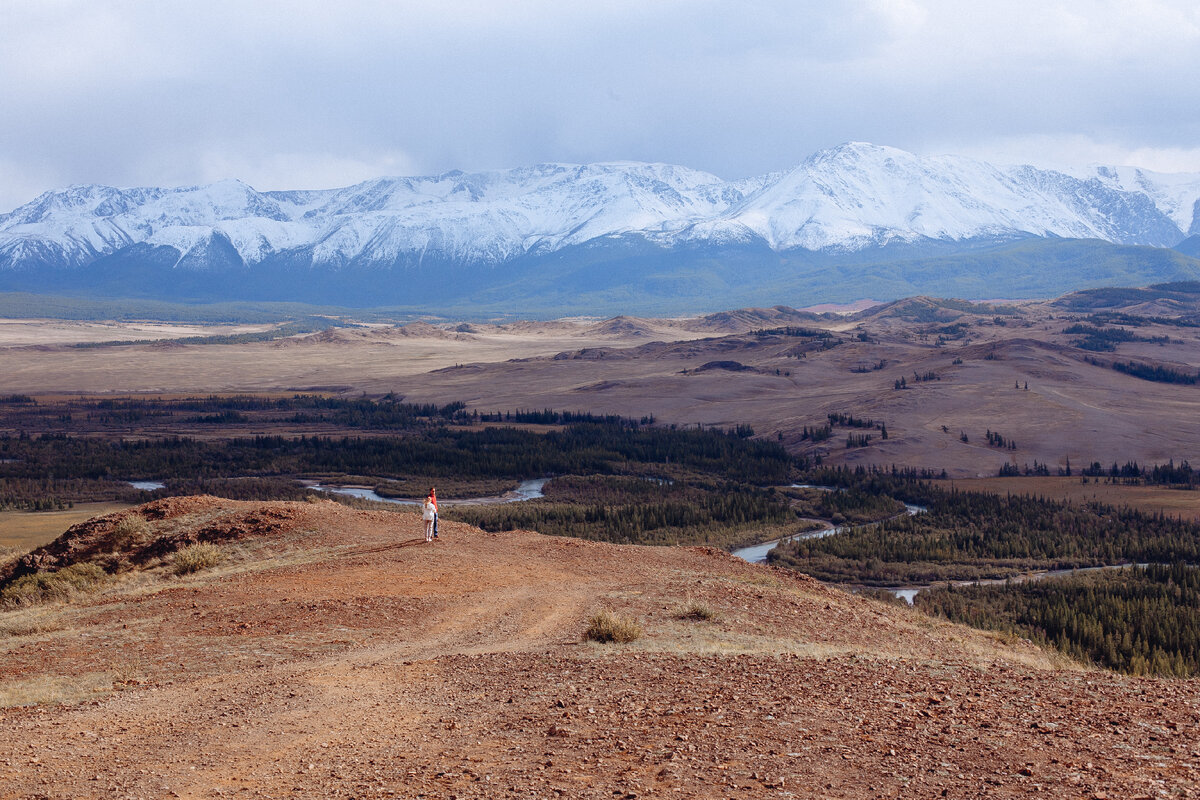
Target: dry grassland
<point x="25" y="530"/>
<point x="44" y="332"/>
<point x="350" y="359"/>
<point x="1070" y="409"/>
<point x="1172" y="502"/>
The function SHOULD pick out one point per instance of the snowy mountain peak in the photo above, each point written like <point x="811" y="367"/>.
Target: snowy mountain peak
<point x="852" y="196"/>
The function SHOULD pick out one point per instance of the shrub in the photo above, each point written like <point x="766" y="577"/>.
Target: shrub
<point x="196" y="557"/>
<point x="44" y="587"/>
<point x="130" y="531"/>
<point x="606" y="626"/>
<point x="697" y="612"/>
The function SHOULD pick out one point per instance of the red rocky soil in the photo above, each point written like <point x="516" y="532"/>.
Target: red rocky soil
<point x="335" y="654"/>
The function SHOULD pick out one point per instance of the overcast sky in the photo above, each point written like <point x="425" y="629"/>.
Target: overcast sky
<point x="321" y="94"/>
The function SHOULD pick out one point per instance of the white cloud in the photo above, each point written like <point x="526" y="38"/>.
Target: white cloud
<point x="1073" y="151"/>
<point x="302" y="170"/>
<point x="303" y="93"/>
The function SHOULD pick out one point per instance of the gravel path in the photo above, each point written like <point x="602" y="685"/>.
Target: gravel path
<point x="342" y="657"/>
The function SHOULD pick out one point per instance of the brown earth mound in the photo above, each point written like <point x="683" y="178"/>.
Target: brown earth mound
<point x="747" y="319"/>
<point x="132" y="537"/>
<point x="338" y="655"/>
<point x="623" y="326"/>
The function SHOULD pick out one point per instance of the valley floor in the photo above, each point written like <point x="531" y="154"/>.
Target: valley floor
<point x="334" y="654"/>
<point x="942" y="379"/>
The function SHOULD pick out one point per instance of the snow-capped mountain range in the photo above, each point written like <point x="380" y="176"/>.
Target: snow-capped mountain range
<point x="849" y="199"/>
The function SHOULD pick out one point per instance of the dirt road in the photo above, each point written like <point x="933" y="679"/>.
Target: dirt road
<point x="336" y="655"/>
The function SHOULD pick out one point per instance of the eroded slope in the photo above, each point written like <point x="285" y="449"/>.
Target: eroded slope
<point x="335" y="654"/>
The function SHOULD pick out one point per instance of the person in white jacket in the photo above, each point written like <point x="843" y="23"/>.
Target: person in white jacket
<point x="429" y="514"/>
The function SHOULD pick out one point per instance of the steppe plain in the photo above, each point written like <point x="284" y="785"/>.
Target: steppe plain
<point x="1011" y="370"/>
<point x="334" y="655"/>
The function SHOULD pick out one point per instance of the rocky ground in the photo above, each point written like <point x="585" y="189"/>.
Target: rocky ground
<point x="334" y="654"/>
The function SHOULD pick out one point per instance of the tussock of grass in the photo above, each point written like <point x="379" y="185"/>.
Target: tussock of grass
<point x="196" y="557"/>
<point x="28" y="623"/>
<point x="696" y="611"/>
<point x="45" y="587"/>
<point x="606" y="626"/>
<point x="130" y="531"/>
<point x="45" y="689"/>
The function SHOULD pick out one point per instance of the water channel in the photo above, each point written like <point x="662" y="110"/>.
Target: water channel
<point x="757" y="554"/>
<point x="526" y="490"/>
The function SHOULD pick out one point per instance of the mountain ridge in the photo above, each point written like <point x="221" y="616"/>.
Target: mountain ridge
<point x="854" y="202"/>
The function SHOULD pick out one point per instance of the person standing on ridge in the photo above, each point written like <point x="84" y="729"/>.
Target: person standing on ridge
<point x="433" y="500"/>
<point x="429" y="516"/>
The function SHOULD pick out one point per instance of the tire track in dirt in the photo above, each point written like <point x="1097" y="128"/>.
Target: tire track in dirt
<point x="369" y="667"/>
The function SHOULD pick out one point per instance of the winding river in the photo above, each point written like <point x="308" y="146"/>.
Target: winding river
<point x="757" y="554"/>
<point x="526" y="490"/>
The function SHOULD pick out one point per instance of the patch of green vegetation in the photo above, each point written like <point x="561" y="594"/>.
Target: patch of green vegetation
<point x="31" y="493"/>
<point x="1156" y="372"/>
<point x="1127" y="295"/>
<point x="26" y="305"/>
<point x="970" y="535"/>
<point x="923" y="309"/>
<point x="1131" y="473"/>
<point x="495" y="452"/>
<point x="1106" y="339"/>
<point x="1136" y="321"/>
<point x="1139" y="620"/>
<point x="637" y="511"/>
<point x="851" y="505"/>
<point x="1178" y="287"/>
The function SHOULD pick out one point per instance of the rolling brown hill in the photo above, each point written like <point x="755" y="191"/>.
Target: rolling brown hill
<point x="334" y="654"/>
<point x="964" y="373"/>
<point x="968" y="369"/>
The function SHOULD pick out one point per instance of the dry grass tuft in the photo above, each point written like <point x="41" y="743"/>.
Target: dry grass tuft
<point x="606" y="626"/>
<point x="45" y="587"/>
<point x="696" y="611"/>
<point x="29" y="622"/>
<point x="196" y="557"/>
<point x="130" y="531"/>
<point x="45" y="689"/>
